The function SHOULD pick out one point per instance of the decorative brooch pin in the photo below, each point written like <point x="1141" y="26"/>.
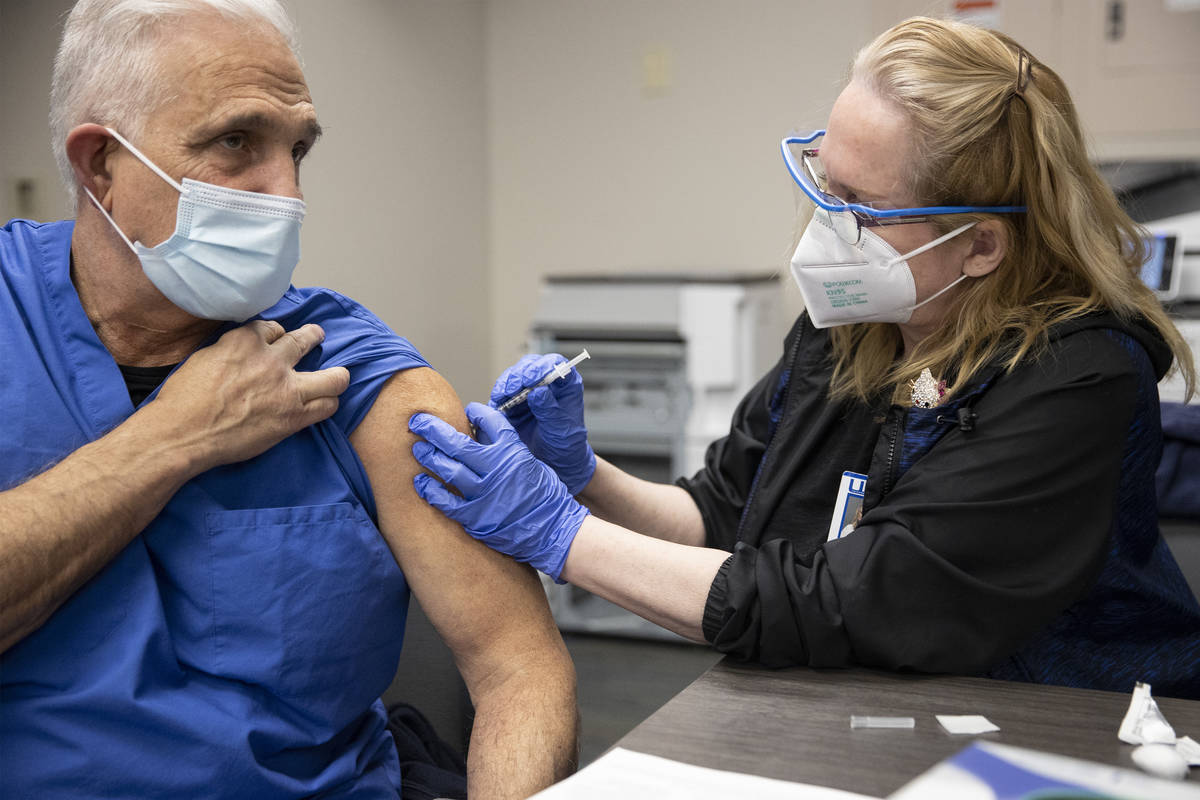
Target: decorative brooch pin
<point x="927" y="391"/>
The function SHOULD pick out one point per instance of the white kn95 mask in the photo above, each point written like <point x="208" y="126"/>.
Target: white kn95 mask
<point x="866" y="282"/>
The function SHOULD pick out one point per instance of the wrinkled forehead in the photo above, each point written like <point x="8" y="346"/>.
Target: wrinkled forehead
<point x="209" y="61"/>
<point x="867" y="148"/>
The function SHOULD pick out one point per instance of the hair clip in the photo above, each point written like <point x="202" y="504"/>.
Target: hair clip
<point x="1024" y="73"/>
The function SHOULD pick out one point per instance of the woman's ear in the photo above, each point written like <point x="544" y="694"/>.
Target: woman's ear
<point x="989" y="244"/>
<point x="88" y="149"/>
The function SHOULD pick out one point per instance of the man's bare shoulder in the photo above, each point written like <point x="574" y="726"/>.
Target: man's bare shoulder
<point x="406" y="393"/>
<point x="444" y="566"/>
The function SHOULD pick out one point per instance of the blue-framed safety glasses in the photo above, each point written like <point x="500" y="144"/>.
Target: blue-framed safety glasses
<point x="848" y="219"/>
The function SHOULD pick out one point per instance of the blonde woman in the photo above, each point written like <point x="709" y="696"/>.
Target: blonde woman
<point x="977" y="351"/>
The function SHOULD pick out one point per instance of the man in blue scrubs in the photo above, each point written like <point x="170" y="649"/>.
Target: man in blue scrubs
<point x="208" y="529"/>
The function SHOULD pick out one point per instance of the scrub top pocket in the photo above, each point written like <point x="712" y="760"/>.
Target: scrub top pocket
<point x="303" y="598"/>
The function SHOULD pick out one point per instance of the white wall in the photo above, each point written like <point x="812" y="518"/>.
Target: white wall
<point x="29" y="31"/>
<point x="397" y="188"/>
<point x="594" y="171"/>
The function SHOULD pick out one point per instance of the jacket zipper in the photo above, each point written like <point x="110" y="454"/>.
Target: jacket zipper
<point x="762" y="465"/>
<point x="897" y="424"/>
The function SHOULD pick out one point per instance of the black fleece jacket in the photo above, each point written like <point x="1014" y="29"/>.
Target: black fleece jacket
<point x="1016" y="538"/>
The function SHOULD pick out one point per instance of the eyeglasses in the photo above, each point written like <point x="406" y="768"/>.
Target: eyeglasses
<point x="848" y="219"/>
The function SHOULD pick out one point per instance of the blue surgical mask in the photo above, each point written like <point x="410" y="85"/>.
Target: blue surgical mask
<point x="232" y="253"/>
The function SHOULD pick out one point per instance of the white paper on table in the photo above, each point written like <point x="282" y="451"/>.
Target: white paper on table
<point x="639" y="776"/>
<point x="968" y="724"/>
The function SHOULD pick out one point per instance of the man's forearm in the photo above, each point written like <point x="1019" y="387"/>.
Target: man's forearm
<point x="525" y="735"/>
<point x="61" y="527"/>
<point x="654" y="509"/>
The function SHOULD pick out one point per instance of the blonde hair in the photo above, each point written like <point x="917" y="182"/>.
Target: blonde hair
<point x="993" y="126"/>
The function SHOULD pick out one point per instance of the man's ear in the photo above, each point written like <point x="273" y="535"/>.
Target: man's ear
<point x="989" y="244"/>
<point x="88" y="148"/>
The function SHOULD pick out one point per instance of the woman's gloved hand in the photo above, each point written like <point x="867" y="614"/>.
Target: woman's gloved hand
<point x="510" y="500"/>
<point x="550" y="422"/>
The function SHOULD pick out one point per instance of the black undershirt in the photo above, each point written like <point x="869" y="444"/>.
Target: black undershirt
<point x="141" y="381"/>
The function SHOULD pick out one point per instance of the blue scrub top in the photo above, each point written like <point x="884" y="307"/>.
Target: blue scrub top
<point x="237" y="647"/>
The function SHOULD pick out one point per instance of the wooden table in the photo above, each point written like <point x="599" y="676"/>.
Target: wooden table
<point x="794" y="724"/>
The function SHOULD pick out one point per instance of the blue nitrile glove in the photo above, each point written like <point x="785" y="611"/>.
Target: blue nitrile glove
<point x="550" y="422"/>
<point x="510" y="501"/>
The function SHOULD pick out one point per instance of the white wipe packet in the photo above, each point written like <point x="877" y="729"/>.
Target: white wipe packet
<point x="1189" y="748"/>
<point x="1144" y="723"/>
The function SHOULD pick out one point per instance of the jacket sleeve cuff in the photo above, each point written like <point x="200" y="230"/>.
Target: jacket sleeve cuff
<point x="717" y="603"/>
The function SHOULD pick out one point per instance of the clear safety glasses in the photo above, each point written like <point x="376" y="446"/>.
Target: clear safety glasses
<point x="848" y="219"/>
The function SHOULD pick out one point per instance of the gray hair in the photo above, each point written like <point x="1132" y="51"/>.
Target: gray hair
<point x="107" y="64"/>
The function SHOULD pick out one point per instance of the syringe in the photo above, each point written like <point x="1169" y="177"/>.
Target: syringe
<point x="559" y="371"/>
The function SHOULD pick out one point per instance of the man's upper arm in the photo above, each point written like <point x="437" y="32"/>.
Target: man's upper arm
<point x="490" y="610"/>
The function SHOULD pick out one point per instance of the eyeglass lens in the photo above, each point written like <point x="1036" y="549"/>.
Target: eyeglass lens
<point x="844" y="223"/>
